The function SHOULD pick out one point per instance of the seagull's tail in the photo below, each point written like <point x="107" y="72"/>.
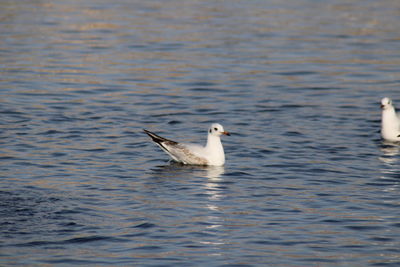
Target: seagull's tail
<point x="156" y="138"/>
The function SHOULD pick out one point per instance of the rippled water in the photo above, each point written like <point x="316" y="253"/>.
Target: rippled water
<point x="307" y="182"/>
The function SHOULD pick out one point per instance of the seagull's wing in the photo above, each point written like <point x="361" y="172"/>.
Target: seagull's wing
<point x="398" y="120"/>
<point x="186" y="154"/>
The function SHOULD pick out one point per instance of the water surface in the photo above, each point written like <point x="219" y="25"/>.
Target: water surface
<point x="307" y="181"/>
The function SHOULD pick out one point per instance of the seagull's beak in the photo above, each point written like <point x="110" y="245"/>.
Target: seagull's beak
<point x="226" y="133"/>
<point x="382" y="106"/>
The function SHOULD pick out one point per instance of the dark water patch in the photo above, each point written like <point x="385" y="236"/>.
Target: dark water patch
<point x="67" y="211"/>
<point x="173" y="122"/>
<point x="379" y="184"/>
<point x="204" y="110"/>
<point x="325" y="170"/>
<point x="50" y="132"/>
<point x="171" y="46"/>
<point x="138" y="46"/>
<point x="266" y="151"/>
<point x="156" y="46"/>
<point x="280" y="242"/>
<point x="202" y="195"/>
<point x="135" y="235"/>
<point x="59" y="107"/>
<point x="332" y="221"/>
<point x="293" y="133"/>
<point x="60" y="118"/>
<point x="110" y="89"/>
<point x="95" y="238"/>
<point x="280" y="211"/>
<point x="93" y="149"/>
<point x="99" y="47"/>
<point x="21" y="133"/>
<point x="198" y="84"/>
<point x="145" y="225"/>
<point x="70" y="224"/>
<point x="348" y="107"/>
<point x="69" y="261"/>
<point x="397" y="225"/>
<point x="149" y="249"/>
<point x="95" y="117"/>
<point x="296" y="106"/>
<point x="296" y="73"/>
<point x="112" y="137"/>
<point x="238" y="174"/>
<point x="36" y="244"/>
<point x="364" y="228"/>
<point x="201" y="234"/>
<point x="58" y="154"/>
<point x="11" y="112"/>
<point x="320" y="260"/>
<point x="9" y="158"/>
<point x="392" y="263"/>
<point x="320" y="88"/>
<point x="47" y="166"/>
<point x="207" y="90"/>
<point x="86" y="92"/>
<point x="381" y="239"/>
<point x="268" y="109"/>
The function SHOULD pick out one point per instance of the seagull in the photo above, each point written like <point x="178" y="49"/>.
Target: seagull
<point x="211" y="154"/>
<point x="390" y="125"/>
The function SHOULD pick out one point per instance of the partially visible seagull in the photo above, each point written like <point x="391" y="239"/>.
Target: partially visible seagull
<point x="211" y="154"/>
<point x="390" y="125"/>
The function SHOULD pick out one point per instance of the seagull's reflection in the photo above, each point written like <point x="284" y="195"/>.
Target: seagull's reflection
<point x="212" y="173"/>
<point x="390" y="159"/>
<point x="211" y="188"/>
<point x="389" y="153"/>
<point x="214" y="219"/>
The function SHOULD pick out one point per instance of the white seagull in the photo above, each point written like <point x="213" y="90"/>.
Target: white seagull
<point x="390" y="125"/>
<point x="211" y="154"/>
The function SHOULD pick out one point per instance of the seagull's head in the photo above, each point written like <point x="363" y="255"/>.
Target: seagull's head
<point x="386" y="103"/>
<point x="216" y="129"/>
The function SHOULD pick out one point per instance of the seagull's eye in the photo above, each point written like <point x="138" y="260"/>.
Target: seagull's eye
<point x="215" y="129"/>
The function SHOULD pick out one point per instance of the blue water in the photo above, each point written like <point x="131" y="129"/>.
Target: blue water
<point x="307" y="182"/>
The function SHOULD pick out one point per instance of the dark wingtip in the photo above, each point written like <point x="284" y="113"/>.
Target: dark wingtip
<point x="156" y="138"/>
<point x="148" y="132"/>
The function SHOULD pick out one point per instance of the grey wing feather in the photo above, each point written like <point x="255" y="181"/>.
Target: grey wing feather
<point x="183" y="154"/>
<point x="177" y="151"/>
